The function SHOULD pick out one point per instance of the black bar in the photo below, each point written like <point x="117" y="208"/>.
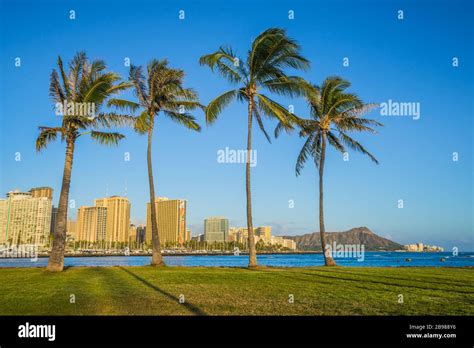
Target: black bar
<point x="136" y="330"/>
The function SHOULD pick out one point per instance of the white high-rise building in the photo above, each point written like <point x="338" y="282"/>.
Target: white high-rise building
<point x="25" y="217"/>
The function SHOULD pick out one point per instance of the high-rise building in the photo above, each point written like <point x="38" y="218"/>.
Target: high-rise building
<point x="3" y="220"/>
<point x="39" y="192"/>
<point x="132" y="234"/>
<point x="25" y="217"/>
<point x="171" y="220"/>
<point x="289" y="243"/>
<point x="264" y="232"/>
<point x="188" y="235"/>
<point x="243" y="235"/>
<point x="232" y="234"/>
<point x="141" y="234"/>
<point x="91" y="224"/>
<point x="71" y="229"/>
<point x="216" y="229"/>
<point x="118" y="217"/>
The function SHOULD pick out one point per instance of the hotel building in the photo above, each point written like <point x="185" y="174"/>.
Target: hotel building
<point x="216" y="229"/>
<point x="171" y="220"/>
<point x="264" y="232"/>
<point x="71" y="229"/>
<point x="91" y="224"/>
<point x="25" y="217"/>
<point x="118" y="217"/>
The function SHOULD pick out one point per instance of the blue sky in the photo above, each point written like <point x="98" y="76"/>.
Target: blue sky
<point x="407" y="60"/>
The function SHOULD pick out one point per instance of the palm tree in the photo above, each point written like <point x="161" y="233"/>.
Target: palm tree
<point x="271" y="52"/>
<point x="87" y="84"/>
<point x="334" y="113"/>
<point x="161" y="91"/>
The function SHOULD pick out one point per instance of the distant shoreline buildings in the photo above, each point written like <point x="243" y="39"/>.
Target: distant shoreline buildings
<point x="216" y="229"/>
<point x="420" y="247"/>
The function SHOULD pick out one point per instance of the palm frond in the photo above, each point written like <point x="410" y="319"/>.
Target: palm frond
<point x="75" y="69"/>
<point x="215" y="107"/>
<point x="353" y="144"/>
<point x="223" y="61"/>
<point x="142" y="123"/>
<point x="273" y="109"/>
<point x="272" y="52"/>
<point x="257" y="116"/>
<point x="292" y="86"/>
<point x="55" y="89"/>
<point x="66" y="83"/>
<point x="311" y="148"/>
<point x="185" y="119"/>
<point x="334" y="141"/>
<point x="109" y="120"/>
<point x="47" y="135"/>
<point x="106" y="138"/>
<point x="138" y="80"/>
<point x="123" y="104"/>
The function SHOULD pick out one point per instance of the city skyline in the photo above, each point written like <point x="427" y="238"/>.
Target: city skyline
<point x="415" y="167"/>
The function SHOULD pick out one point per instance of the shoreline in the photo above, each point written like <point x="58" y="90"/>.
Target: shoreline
<point x="217" y="253"/>
<point x="305" y="252"/>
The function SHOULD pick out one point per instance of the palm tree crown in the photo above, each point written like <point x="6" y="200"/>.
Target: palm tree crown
<point x="334" y="113"/>
<point x="161" y="91"/>
<point x="85" y="83"/>
<point x="271" y="53"/>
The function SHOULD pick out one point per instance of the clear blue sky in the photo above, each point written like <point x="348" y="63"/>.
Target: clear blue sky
<point x="404" y="60"/>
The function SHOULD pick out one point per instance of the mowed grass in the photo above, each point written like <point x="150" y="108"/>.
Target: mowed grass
<point x="237" y="291"/>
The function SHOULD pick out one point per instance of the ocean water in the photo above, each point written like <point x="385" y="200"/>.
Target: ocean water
<point x="370" y="259"/>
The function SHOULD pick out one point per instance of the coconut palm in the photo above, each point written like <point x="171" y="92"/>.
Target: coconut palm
<point x="334" y="113"/>
<point x="264" y="69"/>
<point x="161" y="91"/>
<point x="78" y="97"/>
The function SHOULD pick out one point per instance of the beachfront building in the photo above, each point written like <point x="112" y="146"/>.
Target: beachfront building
<point x="118" y="217"/>
<point x="170" y="218"/>
<point x="91" y="224"/>
<point x="216" y="229"/>
<point x="141" y="233"/>
<point x="264" y="232"/>
<point x="71" y="229"/>
<point x="25" y="217"/>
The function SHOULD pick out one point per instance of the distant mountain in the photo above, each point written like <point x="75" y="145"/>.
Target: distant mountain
<point x="359" y="235"/>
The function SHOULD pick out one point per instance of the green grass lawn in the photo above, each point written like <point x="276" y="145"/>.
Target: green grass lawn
<point x="237" y="291"/>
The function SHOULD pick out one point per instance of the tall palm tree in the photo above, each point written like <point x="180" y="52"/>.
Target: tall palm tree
<point x="270" y="54"/>
<point x="86" y="84"/>
<point x="161" y="91"/>
<point x="334" y="113"/>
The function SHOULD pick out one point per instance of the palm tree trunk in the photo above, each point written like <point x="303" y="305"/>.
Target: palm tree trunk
<point x="328" y="260"/>
<point x="56" y="258"/>
<point x="251" y="238"/>
<point x="156" y="258"/>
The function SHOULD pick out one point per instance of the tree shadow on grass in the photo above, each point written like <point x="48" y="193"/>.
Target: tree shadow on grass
<point x="436" y="280"/>
<point x="433" y="281"/>
<point x="192" y="308"/>
<point x="365" y="280"/>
